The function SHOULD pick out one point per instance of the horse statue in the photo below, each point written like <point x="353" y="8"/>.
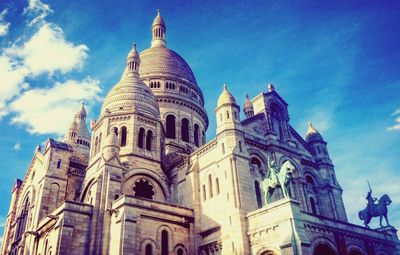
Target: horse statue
<point x="375" y="210"/>
<point x="277" y="179"/>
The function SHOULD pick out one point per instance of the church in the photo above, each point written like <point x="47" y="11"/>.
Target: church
<point x="144" y="180"/>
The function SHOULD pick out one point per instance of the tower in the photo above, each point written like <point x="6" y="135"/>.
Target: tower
<point x="227" y="112"/>
<point x="78" y="135"/>
<point x="248" y="108"/>
<point x="331" y="195"/>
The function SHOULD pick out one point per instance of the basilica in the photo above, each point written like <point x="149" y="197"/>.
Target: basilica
<point x="143" y="179"/>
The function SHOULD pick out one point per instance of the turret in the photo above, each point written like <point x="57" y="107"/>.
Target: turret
<point x="248" y="108"/>
<point x="317" y="144"/>
<point x="78" y="134"/>
<point x="111" y="147"/>
<point x="227" y="112"/>
<point x="159" y="32"/>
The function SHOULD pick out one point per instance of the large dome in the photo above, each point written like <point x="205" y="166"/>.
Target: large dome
<point x="161" y="60"/>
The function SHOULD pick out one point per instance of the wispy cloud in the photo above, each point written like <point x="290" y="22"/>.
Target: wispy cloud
<point x="4" y="26"/>
<point x="17" y="146"/>
<point x="38" y="11"/>
<point x="50" y="110"/>
<point x="396" y="126"/>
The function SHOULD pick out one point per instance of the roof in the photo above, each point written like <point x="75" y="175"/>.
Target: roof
<point x="59" y="145"/>
<point x="226" y="97"/>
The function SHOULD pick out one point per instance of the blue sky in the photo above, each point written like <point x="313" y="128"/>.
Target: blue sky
<point x="335" y="62"/>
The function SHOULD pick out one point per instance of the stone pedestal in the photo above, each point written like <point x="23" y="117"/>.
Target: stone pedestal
<point x="277" y="228"/>
<point x="391" y="232"/>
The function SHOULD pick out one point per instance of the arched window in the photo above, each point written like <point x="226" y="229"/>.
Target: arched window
<point x="180" y="251"/>
<point x="258" y="193"/>
<point x="223" y="148"/>
<point x="196" y="135"/>
<point x="217" y="185"/>
<point x="164" y="242"/>
<point x="323" y="249"/>
<point x="55" y="193"/>
<point x="123" y="136"/>
<point x="149" y="140"/>
<point x="210" y="187"/>
<point x="149" y="249"/>
<point x="310" y="184"/>
<point x="115" y="129"/>
<point x="23" y="218"/>
<point x="227" y="115"/>
<point x="45" y="246"/>
<point x="185" y="130"/>
<point x="204" y="193"/>
<point x="59" y="164"/>
<point x="143" y="188"/>
<point x="141" y="138"/>
<point x="170" y="123"/>
<point x="313" y="207"/>
<point x="276" y="121"/>
<point x="98" y="148"/>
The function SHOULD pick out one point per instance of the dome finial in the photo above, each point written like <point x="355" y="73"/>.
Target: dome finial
<point x="159" y="31"/>
<point x="271" y="87"/>
<point x="225" y="87"/>
<point x="133" y="60"/>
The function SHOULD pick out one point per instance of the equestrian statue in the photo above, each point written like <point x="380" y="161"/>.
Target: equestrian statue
<point x="375" y="209"/>
<point x="277" y="179"/>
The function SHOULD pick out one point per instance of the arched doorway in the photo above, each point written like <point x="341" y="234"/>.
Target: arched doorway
<point x="323" y="249"/>
<point x="354" y="252"/>
<point x="268" y="253"/>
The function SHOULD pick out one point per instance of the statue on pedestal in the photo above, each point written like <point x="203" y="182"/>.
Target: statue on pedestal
<point x="277" y="179"/>
<point x="375" y="209"/>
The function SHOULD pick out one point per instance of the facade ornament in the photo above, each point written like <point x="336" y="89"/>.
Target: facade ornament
<point x="277" y="178"/>
<point x="375" y="209"/>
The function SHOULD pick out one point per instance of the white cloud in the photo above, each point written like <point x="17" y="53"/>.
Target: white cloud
<point x="12" y="75"/>
<point x="50" y="110"/>
<point x="48" y="51"/>
<point x="4" y="26"/>
<point x="17" y="146"/>
<point x="396" y="126"/>
<point x="38" y="10"/>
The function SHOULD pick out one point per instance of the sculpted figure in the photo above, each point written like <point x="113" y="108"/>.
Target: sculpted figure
<point x="277" y="179"/>
<point x="375" y="210"/>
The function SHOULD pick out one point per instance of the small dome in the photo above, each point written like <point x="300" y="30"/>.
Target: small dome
<point x="131" y="93"/>
<point x="158" y="20"/>
<point x="248" y="105"/>
<point x="226" y="97"/>
<point x="313" y="135"/>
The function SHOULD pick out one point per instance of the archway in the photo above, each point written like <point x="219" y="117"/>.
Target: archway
<point x="323" y="249"/>
<point x="355" y="252"/>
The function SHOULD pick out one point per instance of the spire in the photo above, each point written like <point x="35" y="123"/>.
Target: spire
<point x="133" y="60"/>
<point x="159" y="31"/>
<point x="248" y="107"/>
<point x="81" y="114"/>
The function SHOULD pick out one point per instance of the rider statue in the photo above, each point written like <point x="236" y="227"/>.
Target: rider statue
<point x="371" y="202"/>
<point x="273" y="172"/>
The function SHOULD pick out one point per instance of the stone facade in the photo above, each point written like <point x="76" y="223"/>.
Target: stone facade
<point x="146" y="181"/>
